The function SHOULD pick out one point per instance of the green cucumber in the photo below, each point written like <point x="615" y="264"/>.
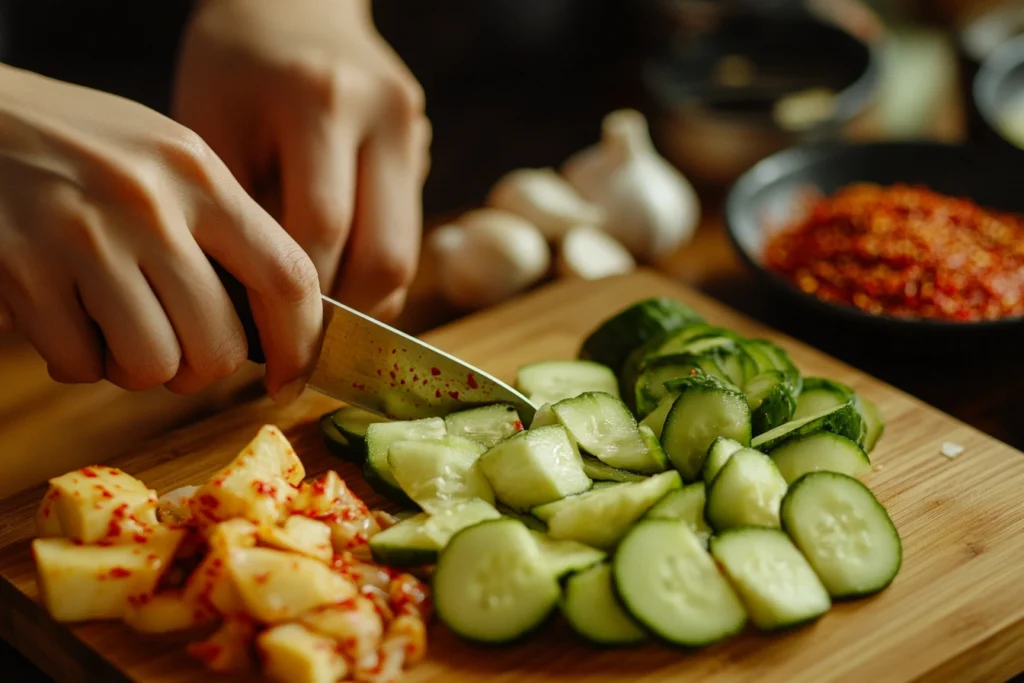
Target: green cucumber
<point x="416" y="541"/>
<point x="491" y="583"/>
<point x="353" y="422"/>
<point x="555" y="380"/>
<point x="685" y="505"/>
<point x="843" y="420"/>
<point x="531" y="522"/>
<point x="844" y="532"/>
<point x="486" y="425"/>
<point x="821" y="451"/>
<point x="598" y="471"/>
<point x="593" y="611"/>
<point x="720" y="451"/>
<point x="655" y="422"/>
<point x="769" y="356"/>
<point x="435" y="473"/>
<point x="544" y="417"/>
<point x="667" y="581"/>
<point x="615" y="338"/>
<point x="747" y="492"/>
<point x="380" y="436"/>
<point x="775" y="582"/>
<point x="650" y="387"/>
<point x="565" y="557"/>
<point x="819" y="395"/>
<point x="770" y="402"/>
<point x="336" y="442"/>
<point x="874" y="424"/>
<point x="602" y="426"/>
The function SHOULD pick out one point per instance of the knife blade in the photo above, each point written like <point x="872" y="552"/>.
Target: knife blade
<point x="368" y="364"/>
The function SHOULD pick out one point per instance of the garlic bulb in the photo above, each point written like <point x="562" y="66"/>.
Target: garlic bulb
<point x="487" y="256"/>
<point x="590" y="254"/>
<point x="546" y="199"/>
<point x="651" y="208"/>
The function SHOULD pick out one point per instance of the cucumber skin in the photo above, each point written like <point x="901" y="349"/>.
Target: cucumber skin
<point x="386" y="489"/>
<point x="598" y="644"/>
<point x="616" y="337"/>
<point x="333" y="441"/>
<point x="844" y="421"/>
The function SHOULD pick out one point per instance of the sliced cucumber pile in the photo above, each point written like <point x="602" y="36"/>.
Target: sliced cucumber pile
<point x="678" y="482"/>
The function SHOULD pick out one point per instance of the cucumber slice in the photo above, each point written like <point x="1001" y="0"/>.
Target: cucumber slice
<point x="718" y="454"/>
<point x="844" y="532"/>
<point x="556" y="380"/>
<point x="670" y="585"/>
<point x="747" y="492"/>
<point x="565" y="557"/>
<point x="770" y="402"/>
<point x="776" y="583"/>
<point x="531" y="522"/>
<point x="353" y="422"/>
<point x="769" y="356"/>
<point x="592" y="609"/>
<point x="544" y="417"/>
<point x="656" y="420"/>
<point x="598" y="471"/>
<point x="613" y="340"/>
<point x="598" y="485"/>
<point x="874" y="424"/>
<point x="486" y="425"/>
<point x="819" y="395"/>
<point x="843" y="420"/>
<point x="705" y="409"/>
<point x="380" y="436"/>
<point x="535" y="467"/>
<point x="603" y="426"/>
<point x="336" y="442"/>
<point x="492" y="584"/>
<point x="685" y="505"/>
<point x="435" y="473"/>
<point x="600" y="518"/>
<point x="650" y="388"/>
<point x="417" y="540"/>
<point x="820" y="451"/>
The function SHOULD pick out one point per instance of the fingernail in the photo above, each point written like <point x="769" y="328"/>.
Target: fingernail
<point x="288" y="393"/>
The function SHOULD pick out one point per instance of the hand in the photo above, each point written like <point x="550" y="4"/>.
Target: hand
<point x="306" y="96"/>
<point x="108" y="211"/>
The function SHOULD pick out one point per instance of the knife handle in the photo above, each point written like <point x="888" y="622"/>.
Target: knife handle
<point x="240" y="300"/>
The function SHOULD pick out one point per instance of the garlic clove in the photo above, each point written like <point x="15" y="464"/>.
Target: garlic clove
<point x="591" y="254"/>
<point x="651" y="208"/>
<point x="487" y="256"/>
<point x="544" y="198"/>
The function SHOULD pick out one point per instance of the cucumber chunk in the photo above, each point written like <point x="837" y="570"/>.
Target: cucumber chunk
<point x="531" y="522"/>
<point x="534" y="467"/>
<point x="770" y="356"/>
<point x="336" y="442"/>
<point x="603" y="426"/>
<point x="544" y="417"/>
<point x="747" y="492"/>
<point x="685" y="505"/>
<point x="667" y="581"/>
<point x="435" y="473"/>
<point x="600" y="518"/>
<point x="650" y="387"/>
<point x="380" y="436"/>
<point x="486" y="425"/>
<point x="776" y="583"/>
<point x="353" y="422"/>
<point x="843" y="420"/>
<point x="705" y="409"/>
<point x="874" y="424"/>
<point x="656" y="420"/>
<point x="598" y="471"/>
<point x="594" y="612"/>
<point x="556" y="380"/>
<point x="844" y="532"/>
<point x="491" y="583"/>
<point x="718" y="454"/>
<point x="565" y="557"/>
<point x="770" y="402"/>
<point x="613" y="340"/>
<point x="820" y="395"/>
<point x="819" y="451"/>
<point x="416" y="540"/>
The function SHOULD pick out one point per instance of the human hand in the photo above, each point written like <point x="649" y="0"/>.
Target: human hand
<point x="306" y="96"/>
<point x="108" y="211"/>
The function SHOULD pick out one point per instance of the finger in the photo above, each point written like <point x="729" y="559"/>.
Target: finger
<point x="279" y="277"/>
<point x="383" y="251"/>
<point x="318" y="174"/>
<point x="142" y="349"/>
<point x="207" y="328"/>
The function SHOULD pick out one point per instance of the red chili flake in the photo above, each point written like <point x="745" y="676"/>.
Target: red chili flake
<point x="425" y="382"/>
<point x="471" y="381"/>
<point x="415" y="378"/>
<point x="518" y="424"/>
<point x="393" y="352"/>
<point x="380" y="373"/>
<point x="113" y="528"/>
<point x="207" y="500"/>
<point x="437" y="394"/>
<point x="151" y="557"/>
<point x="106" y="494"/>
<point x="77" y="541"/>
<point x="139" y="600"/>
<point x="454" y="394"/>
<point x="264" y="489"/>
<point x="694" y="371"/>
<point x="105" y="542"/>
<point x="262" y="578"/>
<point x="392" y="375"/>
<point x="402" y="382"/>
<point x="358" y="387"/>
<point x="435" y="372"/>
<point x="204" y="652"/>
<point x="89" y="472"/>
<point x="112" y="472"/>
<point x="120" y="573"/>
<point x="140" y="538"/>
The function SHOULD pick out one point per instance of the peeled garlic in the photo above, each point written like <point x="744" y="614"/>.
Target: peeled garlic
<point x="651" y="208"/>
<point x="546" y="199"/>
<point x="487" y="256"/>
<point x="590" y="254"/>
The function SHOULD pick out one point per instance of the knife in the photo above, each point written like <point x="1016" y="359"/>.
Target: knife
<point x="373" y="366"/>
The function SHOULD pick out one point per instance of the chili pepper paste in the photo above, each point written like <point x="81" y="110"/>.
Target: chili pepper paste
<point x="905" y="251"/>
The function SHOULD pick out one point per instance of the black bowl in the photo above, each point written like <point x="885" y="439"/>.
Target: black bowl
<point x="769" y="194"/>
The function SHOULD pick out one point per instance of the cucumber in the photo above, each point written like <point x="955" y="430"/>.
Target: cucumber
<point x="706" y="408"/>
<point x="685" y="505"/>
<point x="770" y="356"/>
<point x="555" y="380"/>
<point x="844" y="532"/>
<point x="819" y="451"/>
<point x="650" y="387"/>
<point x="819" y="395"/>
<point x="603" y="426"/>
<point x="655" y="422"/>
<point x="667" y="581"/>
<point x="747" y="492"/>
<point x="600" y="518"/>
<point x="336" y="442"/>
<point x="615" y="338"/>
<point x="593" y="611"/>
<point x="380" y="436"/>
<point x="486" y="425"/>
<point x="544" y="417"/>
<point x="738" y="366"/>
<point x="565" y="557"/>
<point x="769" y="400"/>
<point x="598" y="471"/>
<point x="720" y="451"/>
<point x="415" y="541"/>
<point x="353" y="422"/>
<point x="534" y="467"/>
<point x="491" y="583"/>
<point x="843" y="420"/>
<point x="775" y="582"/>
<point x="874" y="424"/>
<point x="531" y="522"/>
<point x="435" y="473"/>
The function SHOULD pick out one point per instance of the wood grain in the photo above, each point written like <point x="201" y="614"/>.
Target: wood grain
<point x="955" y="612"/>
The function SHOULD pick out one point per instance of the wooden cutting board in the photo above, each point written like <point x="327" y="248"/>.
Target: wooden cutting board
<point x="954" y="613"/>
